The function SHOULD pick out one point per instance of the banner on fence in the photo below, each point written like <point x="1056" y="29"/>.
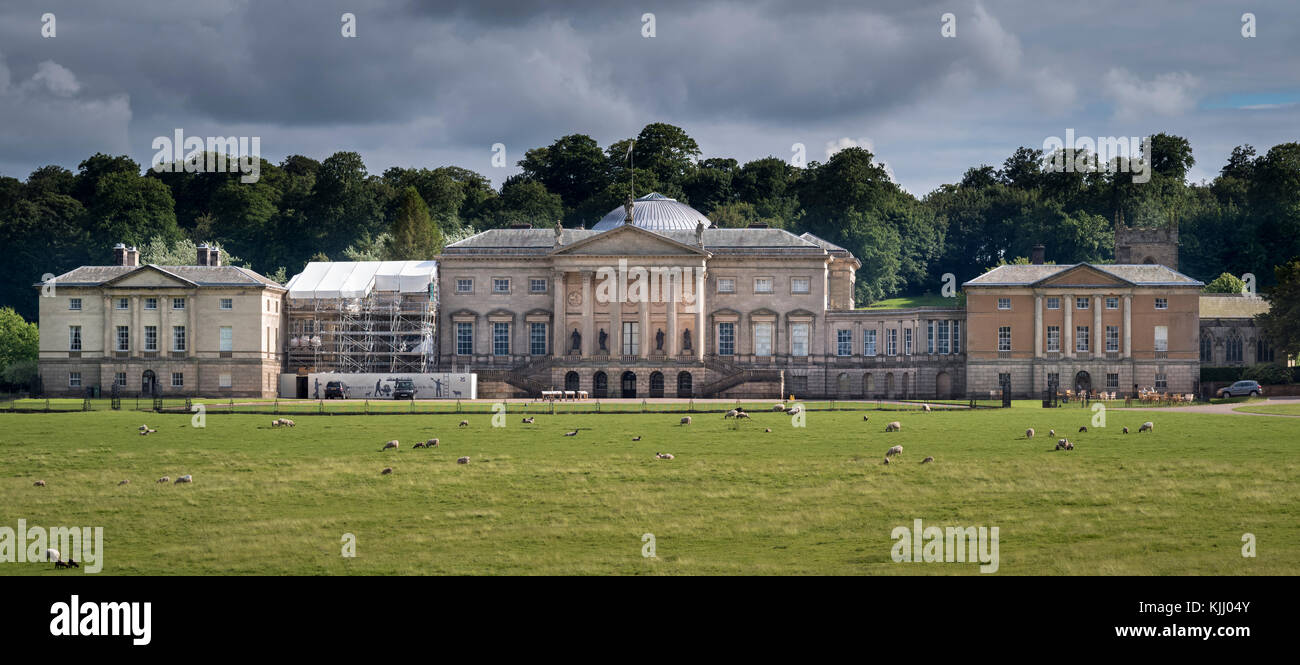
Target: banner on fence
<point x="439" y="385"/>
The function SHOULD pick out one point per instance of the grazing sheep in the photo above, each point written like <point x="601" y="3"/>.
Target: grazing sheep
<point x="164" y="479"/>
<point x="686" y="420"/>
<point x="896" y="450"/>
<point x="894" y="427"/>
<point x="528" y="420"/>
<point x="51" y="554"/>
<point x="1029" y="433"/>
<point x="147" y="432"/>
<point x="778" y="407"/>
<point x="464" y="423"/>
<point x="729" y="414"/>
<point x="431" y="443"/>
<point x="39" y="483"/>
<point x="1126" y="430"/>
<point x="744" y="415"/>
<point x="463" y="460"/>
<point x="925" y="408"/>
<point x="144" y="428"/>
<point x="1064" y="444"/>
<point x="1083" y="429"/>
<point x="573" y="433"/>
<point x="72" y="563"/>
<point x="187" y="478"/>
<point x="277" y="422"/>
<point x="1051" y="432"/>
<point x="418" y="444"/>
<point x="1147" y="427"/>
<point x="927" y="460"/>
<point x="387" y="470"/>
<point x="124" y="482"/>
<point x="664" y="455"/>
<point x="795" y="410"/>
<point x="866" y="419"/>
<point x="288" y="423"/>
<point x="886" y="460"/>
<point x="636" y="438"/>
<point x="60" y="564"/>
<point x="391" y="444"/>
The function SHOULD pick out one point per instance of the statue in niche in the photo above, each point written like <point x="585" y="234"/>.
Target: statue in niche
<point x="603" y="338"/>
<point x="577" y="340"/>
<point x="686" y="339"/>
<point x="659" y="340"/>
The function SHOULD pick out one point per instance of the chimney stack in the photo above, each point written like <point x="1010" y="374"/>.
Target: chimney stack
<point x="214" y="256"/>
<point x="1038" y="255"/>
<point x="203" y="254"/>
<point x="132" y="256"/>
<point x="119" y="254"/>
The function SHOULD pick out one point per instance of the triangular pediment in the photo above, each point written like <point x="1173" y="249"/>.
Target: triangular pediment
<point x="148" y="276"/>
<point x="628" y="240"/>
<point x="1082" y="275"/>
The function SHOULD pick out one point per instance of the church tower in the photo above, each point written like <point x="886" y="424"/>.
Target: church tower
<point x="1149" y="245"/>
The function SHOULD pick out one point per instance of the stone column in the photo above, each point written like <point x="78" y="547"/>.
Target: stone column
<point x="192" y="333"/>
<point x="1038" y="326"/>
<point x="110" y="344"/>
<point x="1098" y="334"/>
<point x="1128" y="326"/>
<point x="1067" y="332"/>
<point x="699" y="336"/>
<point x="588" y="316"/>
<point x="616" y="327"/>
<point x="137" y="333"/>
<point x="673" y="335"/>
<point x="558" y="320"/>
<point x="647" y="335"/>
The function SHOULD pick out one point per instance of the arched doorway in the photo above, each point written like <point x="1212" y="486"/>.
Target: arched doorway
<point x="656" y="384"/>
<point x="599" y="385"/>
<point x="889" y="385"/>
<point x="1083" y="382"/>
<point x="148" y="382"/>
<point x="628" y="384"/>
<point x="943" y="386"/>
<point x="684" y="384"/>
<point x="572" y="381"/>
<point x="867" y="386"/>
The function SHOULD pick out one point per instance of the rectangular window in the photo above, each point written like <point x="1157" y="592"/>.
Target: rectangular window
<point x="891" y="341"/>
<point x="1053" y="303"/>
<point x="1054" y="378"/>
<point x="799" y="340"/>
<point x="1162" y="338"/>
<point x="843" y="342"/>
<point x="907" y="341"/>
<point x="1162" y="381"/>
<point x="762" y="285"/>
<point x="123" y="303"/>
<point x="956" y="336"/>
<point x="227" y="338"/>
<point x="943" y="337"/>
<point x="178" y="303"/>
<point x="1112" y="303"/>
<point x="537" y="339"/>
<point x="151" y="338"/>
<point x="178" y="338"/>
<point x="1081" y="303"/>
<point x="178" y="380"/>
<point x="74" y="379"/>
<point x="868" y="342"/>
<point x="800" y="285"/>
<point x="223" y="380"/>
<point x="500" y="285"/>
<point x="464" y="286"/>
<point x="726" y="285"/>
<point x="464" y="338"/>
<point x="1112" y="338"/>
<point x="1112" y="381"/>
<point x="929" y="337"/>
<point x="1004" y="338"/>
<point x="1054" y="338"/>
<point x="1081" y="338"/>
<point x="123" y="338"/>
<point x="1162" y="303"/>
<point x="227" y="303"/>
<point x="726" y="339"/>
<point x="119" y="379"/>
<point x="1004" y="303"/>
<point x="74" y="304"/>
<point x="762" y="339"/>
<point x="632" y="338"/>
<point x="74" y="338"/>
<point x="151" y="303"/>
<point x="536" y="285"/>
<point x="500" y="339"/>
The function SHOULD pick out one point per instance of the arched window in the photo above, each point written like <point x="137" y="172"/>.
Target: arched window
<point x="867" y="385"/>
<point x="628" y="385"/>
<point x="684" y="384"/>
<point x="1207" y="349"/>
<point x="842" y="384"/>
<point x="571" y="381"/>
<point x="1233" y="349"/>
<point x="656" y="384"/>
<point x="599" y="385"/>
<point x="1263" y="351"/>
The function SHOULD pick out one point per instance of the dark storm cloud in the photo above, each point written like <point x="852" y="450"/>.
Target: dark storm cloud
<point x="429" y="83"/>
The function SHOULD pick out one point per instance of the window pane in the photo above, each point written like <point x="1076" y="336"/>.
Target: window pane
<point x="726" y="339"/>
<point x="762" y="339"/>
<point x="799" y="339"/>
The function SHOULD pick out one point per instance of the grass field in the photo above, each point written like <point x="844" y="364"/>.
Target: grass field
<point x="736" y="500"/>
<point x="1261" y="406"/>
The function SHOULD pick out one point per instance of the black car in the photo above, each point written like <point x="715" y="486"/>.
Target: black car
<point x="335" y="390"/>
<point x="404" y="389"/>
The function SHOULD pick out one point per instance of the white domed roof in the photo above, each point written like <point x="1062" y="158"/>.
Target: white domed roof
<point x="655" y="212"/>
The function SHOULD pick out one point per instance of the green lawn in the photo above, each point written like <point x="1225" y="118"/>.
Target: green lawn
<point x="1262" y="406"/>
<point x="736" y="500"/>
<point x="907" y="302"/>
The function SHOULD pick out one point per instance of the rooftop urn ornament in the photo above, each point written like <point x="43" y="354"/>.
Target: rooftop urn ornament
<point x="628" y="208"/>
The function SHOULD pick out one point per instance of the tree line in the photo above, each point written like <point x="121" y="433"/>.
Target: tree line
<point x="1246" y="220"/>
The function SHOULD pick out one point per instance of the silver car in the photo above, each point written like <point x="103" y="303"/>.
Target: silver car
<point x="1242" y="389"/>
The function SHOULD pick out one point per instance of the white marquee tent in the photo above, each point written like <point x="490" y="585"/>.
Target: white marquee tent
<point x="356" y="279"/>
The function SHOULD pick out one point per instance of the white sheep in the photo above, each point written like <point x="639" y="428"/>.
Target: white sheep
<point x="1147" y="426"/>
<point x="664" y="455"/>
<point x="1064" y="444"/>
<point x="52" y="554"/>
<point x="686" y="420"/>
<point x="744" y="415"/>
<point x="39" y="483"/>
<point x="730" y="414"/>
<point x="1126" y="430"/>
<point x="794" y="410"/>
<point x="187" y="478"/>
<point x="778" y="407"/>
<point x="925" y="408"/>
<point x="896" y="450"/>
<point x="573" y="433"/>
<point x="528" y="420"/>
<point x="463" y="460"/>
<point x="1029" y="433"/>
<point x="164" y="479"/>
<point x="464" y="423"/>
<point x="1051" y="432"/>
<point x="894" y="427"/>
<point x="391" y="444"/>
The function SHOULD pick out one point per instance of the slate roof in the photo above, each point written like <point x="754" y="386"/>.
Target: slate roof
<point x="1141" y="274"/>
<point x="716" y="241"/>
<point x="1227" y="306"/>
<point x="200" y="275"/>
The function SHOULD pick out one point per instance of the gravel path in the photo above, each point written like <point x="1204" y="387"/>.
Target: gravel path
<point x="1221" y="409"/>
